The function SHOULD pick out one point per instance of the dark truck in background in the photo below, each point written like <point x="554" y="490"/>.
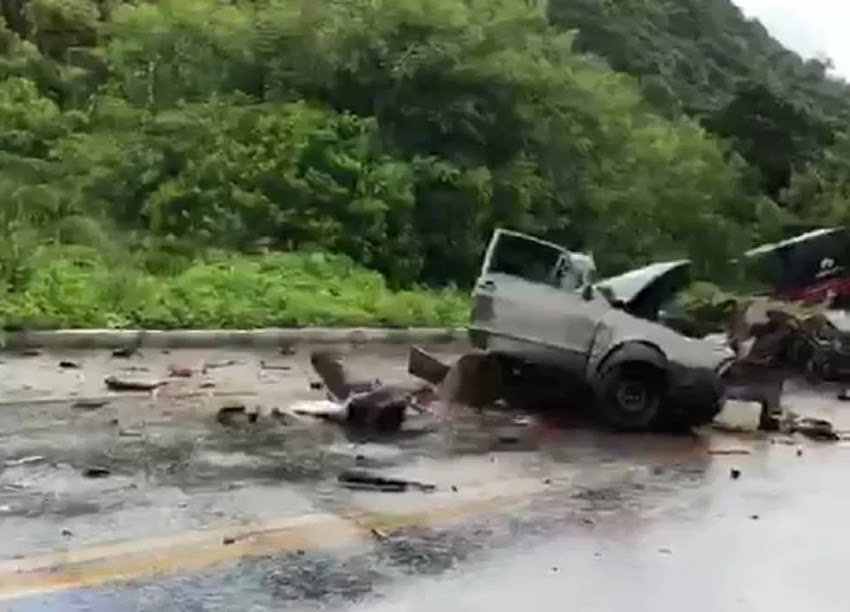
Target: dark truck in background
<point x="811" y="269"/>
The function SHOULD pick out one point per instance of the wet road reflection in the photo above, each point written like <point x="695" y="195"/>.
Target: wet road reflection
<point x="660" y="536"/>
<point x="765" y="545"/>
<point x="537" y="516"/>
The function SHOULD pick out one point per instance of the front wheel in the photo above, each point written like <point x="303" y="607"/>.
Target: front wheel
<point x="630" y="396"/>
<point x="818" y="368"/>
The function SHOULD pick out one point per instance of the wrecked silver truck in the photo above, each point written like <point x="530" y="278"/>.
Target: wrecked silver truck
<point x="537" y="310"/>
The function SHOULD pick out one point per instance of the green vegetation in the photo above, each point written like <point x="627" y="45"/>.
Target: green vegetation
<point x="705" y="60"/>
<point x="78" y="287"/>
<point x="187" y="162"/>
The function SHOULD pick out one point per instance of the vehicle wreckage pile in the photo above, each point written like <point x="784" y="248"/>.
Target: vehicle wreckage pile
<point x="547" y="337"/>
<point x="475" y="381"/>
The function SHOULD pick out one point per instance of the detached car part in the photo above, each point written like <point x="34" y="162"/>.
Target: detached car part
<point x="812" y="340"/>
<point x="365" y="404"/>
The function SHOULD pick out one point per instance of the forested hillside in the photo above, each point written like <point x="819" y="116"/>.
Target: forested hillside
<point x="148" y="140"/>
<point x="703" y="58"/>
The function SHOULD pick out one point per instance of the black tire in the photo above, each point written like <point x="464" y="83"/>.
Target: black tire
<point x="630" y="396"/>
<point x="811" y="372"/>
<point x="802" y="354"/>
<point x="818" y="368"/>
<point x="826" y="370"/>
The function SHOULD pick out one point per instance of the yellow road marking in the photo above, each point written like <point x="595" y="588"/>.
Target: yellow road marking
<point x="124" y="561"/>
<point x="188" y="538"/>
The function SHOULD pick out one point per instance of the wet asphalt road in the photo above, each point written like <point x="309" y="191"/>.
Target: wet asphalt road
<point x="195" y="515"/>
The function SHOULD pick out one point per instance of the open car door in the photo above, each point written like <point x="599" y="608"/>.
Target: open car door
<point x="530" y="300"/>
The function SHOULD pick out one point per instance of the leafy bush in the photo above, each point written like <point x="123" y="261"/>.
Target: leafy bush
<point x="709" y="306"/>
<point x="77" y="287"/>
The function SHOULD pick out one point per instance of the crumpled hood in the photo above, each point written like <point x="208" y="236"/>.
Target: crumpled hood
<point x="621" y="327"/>
<point x="633" y="286"/>
<point x="641" y="292"/>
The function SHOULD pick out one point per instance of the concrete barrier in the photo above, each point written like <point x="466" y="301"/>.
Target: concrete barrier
<point x="243" y="338"/>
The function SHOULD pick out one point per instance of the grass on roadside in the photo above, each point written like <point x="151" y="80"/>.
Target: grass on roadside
<point x="78" y="287"/>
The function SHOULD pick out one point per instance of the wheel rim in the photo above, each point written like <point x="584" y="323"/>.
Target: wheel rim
<point x="632" y="396"/>
<point x="816" y="366"/>
<point x="826" y="368"/>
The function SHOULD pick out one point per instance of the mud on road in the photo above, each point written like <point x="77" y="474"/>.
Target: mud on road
<point x="146" y="500"/>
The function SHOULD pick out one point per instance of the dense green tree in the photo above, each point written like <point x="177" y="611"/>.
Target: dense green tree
<point x="707" y="60"/>
<point x="820" y="192"/>
<point x="774" y="135"/>
<point x="400" y="132"/>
